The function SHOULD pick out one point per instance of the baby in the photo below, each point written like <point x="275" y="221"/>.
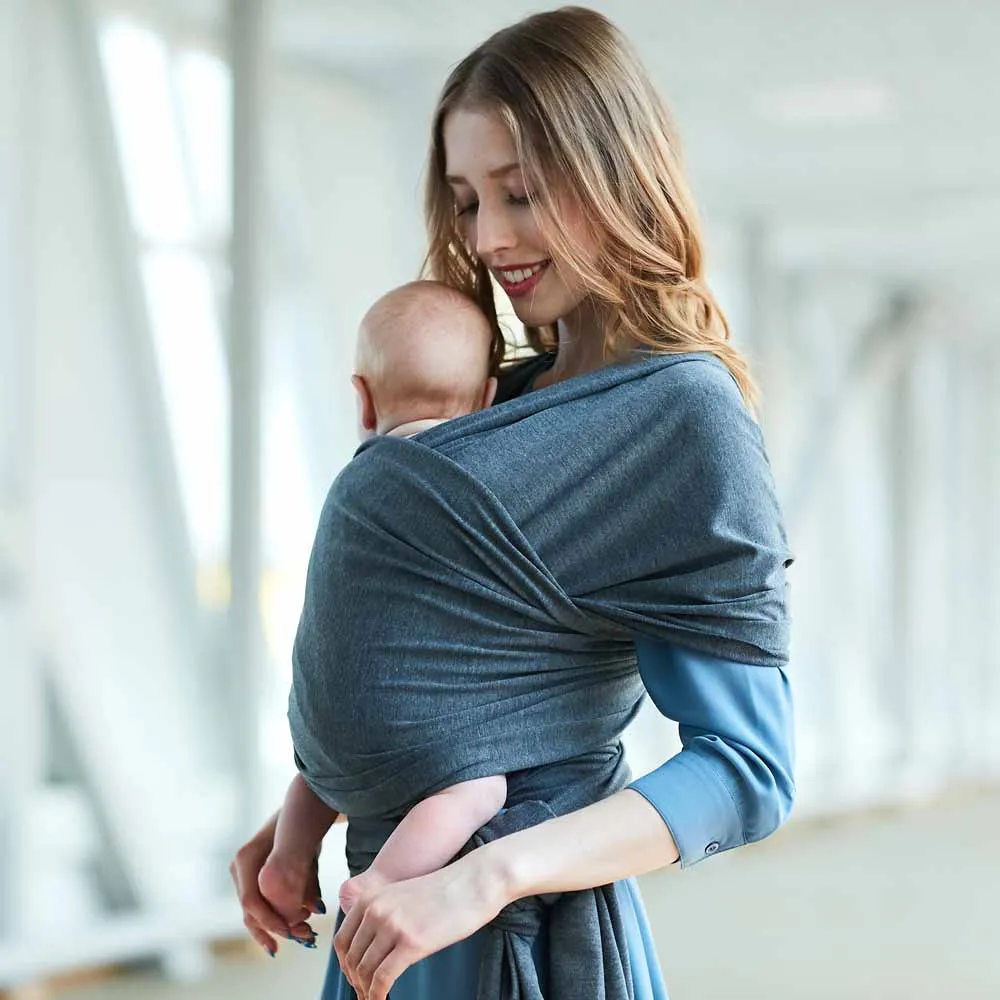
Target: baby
<point x="423" y="357"/>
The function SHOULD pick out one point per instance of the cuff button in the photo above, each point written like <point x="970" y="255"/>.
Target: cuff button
<point x="712" y="848"/>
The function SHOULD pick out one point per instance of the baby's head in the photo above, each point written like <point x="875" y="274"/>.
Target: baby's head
<point x="423" y="354"/>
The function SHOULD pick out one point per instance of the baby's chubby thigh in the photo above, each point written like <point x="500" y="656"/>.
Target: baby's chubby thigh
<point x="440" y="825"/>
<point x="430" y="834"/>
<point x="478" y="799"/>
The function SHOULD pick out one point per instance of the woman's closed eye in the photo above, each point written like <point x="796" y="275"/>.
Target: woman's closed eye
<point x="522" y="201"/>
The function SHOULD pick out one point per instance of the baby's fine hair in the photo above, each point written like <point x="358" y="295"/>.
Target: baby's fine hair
<point x="425" y="343"/>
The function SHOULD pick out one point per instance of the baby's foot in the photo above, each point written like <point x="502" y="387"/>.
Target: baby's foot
<point x="354" y="887"/>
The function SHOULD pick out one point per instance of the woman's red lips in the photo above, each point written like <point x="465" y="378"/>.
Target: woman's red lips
<point x="520" y="279"/>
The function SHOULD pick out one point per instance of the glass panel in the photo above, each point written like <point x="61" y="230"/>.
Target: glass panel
<point x="195" y="388"/>
<point x="204" y="87"/>
<point x="136" y="65"/>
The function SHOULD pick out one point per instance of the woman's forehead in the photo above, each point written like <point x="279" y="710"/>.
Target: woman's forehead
<point x="477" y="145"/>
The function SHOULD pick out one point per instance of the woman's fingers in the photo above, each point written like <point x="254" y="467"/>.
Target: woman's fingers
<point x="374" y="951"/>
<point x="373" y="968"/>
<point x="391" y="968"/>
<point x="318" y="905"/>
<point x="262" y="921"/>
<point x="257" y="913"/>
<point x="260" y="936"/>
<point x="390" y="928"/>
<point x="303" y="933"/>
<point x="342" y="939"/>
<point x="346" y="940"/>
<point x="314" y="895"/>
<point x="256" y="907"/>
<point x="365" y="955"/>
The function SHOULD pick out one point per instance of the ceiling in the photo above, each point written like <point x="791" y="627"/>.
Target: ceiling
<point x="917" y="82"/>
<point x="868" y="126"/>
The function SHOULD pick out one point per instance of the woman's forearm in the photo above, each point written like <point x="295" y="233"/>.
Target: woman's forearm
<point x="731" y="784"/>
<point x="621" y="836"/>
<point x="302" y="822"/>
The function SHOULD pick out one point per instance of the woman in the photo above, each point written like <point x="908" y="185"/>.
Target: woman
<point x="554" y="170"/>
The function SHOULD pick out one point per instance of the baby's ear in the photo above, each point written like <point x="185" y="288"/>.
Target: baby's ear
<point x="489" y="392"/>
<point x="366" y="405"/>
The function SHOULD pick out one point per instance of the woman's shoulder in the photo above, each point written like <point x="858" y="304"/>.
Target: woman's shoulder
<point x="698" y="373"/>
<point x="515" y="377"/>
<point x="698" y="398"/>
<point x="696" y="384"/>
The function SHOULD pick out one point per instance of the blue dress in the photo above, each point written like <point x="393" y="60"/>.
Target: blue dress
<point x="730" y="784"/>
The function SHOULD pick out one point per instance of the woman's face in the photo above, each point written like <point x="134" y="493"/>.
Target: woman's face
<point x="497" y="223"/>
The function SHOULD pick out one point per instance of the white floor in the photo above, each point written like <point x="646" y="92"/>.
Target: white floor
<point x="898" y="906"/>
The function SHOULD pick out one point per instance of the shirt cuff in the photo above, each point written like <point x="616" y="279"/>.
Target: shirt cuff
<point x="695" y="803"/>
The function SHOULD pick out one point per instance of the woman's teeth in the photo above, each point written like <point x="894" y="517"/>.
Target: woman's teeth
<point x="516" y="277"/>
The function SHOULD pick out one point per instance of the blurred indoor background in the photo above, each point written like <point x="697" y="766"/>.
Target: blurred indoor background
<point x="198" y="200"/>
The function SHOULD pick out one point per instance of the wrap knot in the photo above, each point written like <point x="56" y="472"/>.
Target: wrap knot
<point x="524" y="916"/>
<point x="587" y="943"/>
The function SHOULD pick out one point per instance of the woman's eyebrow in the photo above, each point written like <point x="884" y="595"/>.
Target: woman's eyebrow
<point x="499" y="172"/>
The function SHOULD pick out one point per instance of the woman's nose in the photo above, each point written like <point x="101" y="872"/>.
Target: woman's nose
<point x="494" y="233"/>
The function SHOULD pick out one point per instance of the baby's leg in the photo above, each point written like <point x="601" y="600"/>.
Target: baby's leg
<point x="431" y="834"/>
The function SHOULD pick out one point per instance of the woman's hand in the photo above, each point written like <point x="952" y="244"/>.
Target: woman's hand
<point x="390" y="927"/>
<point x="289" y="884"/>
<point x="260" y="918"/>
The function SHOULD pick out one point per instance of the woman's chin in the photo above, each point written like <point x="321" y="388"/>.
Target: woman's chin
<point x="534" y="315"/>
<point x="546" y="307"/>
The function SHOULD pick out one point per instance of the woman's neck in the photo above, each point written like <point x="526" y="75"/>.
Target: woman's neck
<point x="582" y="336"/>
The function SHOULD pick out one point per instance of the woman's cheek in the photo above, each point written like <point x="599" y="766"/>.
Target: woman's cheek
<point x="467" y="235"/>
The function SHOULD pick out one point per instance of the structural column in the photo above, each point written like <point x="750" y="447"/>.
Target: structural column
<point x="21" y="725"/>
<point x="988" y="467"/>
<point x="245" y="647"/>
<point x="925" y="528"/>
<point x="763" y="323"/>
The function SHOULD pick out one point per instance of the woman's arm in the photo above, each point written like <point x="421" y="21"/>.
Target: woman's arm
<point x="615" y="838"/>
<point x="262" y="921"/>
<point x="303" y="822"/>
<point x="730" y="784"/>
<point x="287" y="879"/>
<point x="737" y="730"/>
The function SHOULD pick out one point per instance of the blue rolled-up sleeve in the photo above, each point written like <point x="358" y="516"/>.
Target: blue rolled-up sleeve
<point x="732" y="783"/>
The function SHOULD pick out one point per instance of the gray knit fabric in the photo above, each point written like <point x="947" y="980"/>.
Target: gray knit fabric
<point x="587" y="953"/>
<point x="471" y="600"/>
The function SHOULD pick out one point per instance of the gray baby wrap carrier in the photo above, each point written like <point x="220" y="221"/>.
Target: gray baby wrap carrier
<point x="471" y="602"/>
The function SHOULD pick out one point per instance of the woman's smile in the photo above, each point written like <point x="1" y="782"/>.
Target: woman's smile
<point x="520" y="279"/>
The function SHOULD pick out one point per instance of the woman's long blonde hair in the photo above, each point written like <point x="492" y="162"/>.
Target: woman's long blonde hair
<point x="587" y="122"/>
